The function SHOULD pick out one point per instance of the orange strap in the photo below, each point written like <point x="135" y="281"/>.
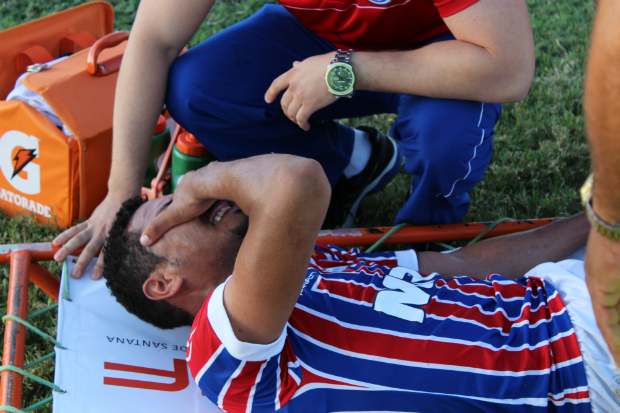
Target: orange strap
<point x="33" y="54"/>
<point x="76" y="42"/>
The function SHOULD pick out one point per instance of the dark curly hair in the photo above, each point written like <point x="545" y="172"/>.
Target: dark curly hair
<point x="127" y="265"/>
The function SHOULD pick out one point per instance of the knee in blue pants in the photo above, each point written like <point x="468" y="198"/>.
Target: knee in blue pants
<point x="447" y="146"/>
<point x="216" y="91"/>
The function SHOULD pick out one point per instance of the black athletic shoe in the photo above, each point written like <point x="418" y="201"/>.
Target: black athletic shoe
<point x="384" y="163"/>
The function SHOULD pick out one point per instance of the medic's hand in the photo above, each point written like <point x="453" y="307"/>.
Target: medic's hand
<point x="91" y="233"/>
<point x="603" y="279"/>
<point x="306" y="90"/>
<point x="187" y="204"/>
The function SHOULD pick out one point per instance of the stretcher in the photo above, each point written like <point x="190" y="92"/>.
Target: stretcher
<point x="88" y="354"/>
<point x="150" y="374"/>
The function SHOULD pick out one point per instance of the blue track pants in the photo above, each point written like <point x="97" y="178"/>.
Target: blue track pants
<point x="216" y="91"/>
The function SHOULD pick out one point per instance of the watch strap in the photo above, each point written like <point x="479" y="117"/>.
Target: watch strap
<point x="343" y="56"/>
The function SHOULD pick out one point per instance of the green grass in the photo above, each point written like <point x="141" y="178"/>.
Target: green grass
<point x="540" y="153"/>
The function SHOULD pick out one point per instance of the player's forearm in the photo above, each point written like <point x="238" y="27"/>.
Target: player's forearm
<point x="602" y="105"/>
<point x="160" y="31"/>
<point x="138" y="103"/>
<point x="513" y="255"/>
<point x="259" y="182"/>
<point x="448" y="70"/>
<point x="286" y="198"/>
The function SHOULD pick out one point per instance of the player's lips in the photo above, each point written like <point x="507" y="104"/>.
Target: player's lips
<point x="221" y="209"/>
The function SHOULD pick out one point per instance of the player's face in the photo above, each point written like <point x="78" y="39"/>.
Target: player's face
<point x="208" y="242"/>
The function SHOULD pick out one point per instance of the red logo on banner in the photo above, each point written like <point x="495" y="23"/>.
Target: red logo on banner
<point x="179" y="374"/>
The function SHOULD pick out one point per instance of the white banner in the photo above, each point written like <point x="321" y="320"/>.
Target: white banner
<point x="115" y="362"/>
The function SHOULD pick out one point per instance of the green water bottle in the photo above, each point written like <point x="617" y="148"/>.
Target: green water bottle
<point x="160" y="143"/>
<point x="188" y="155"/>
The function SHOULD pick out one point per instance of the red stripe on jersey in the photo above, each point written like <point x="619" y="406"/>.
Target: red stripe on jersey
<point x="496" y="320"/>
<point x="360" y="267"/>
<point x="319" y="253"/>
<point x="348" y="290"/>
<point x="349" y="257"/>
<point x="288" y="385"/>
<point x="335" y="254"/>
<point x="556" y="304"/>
<point x="510" y="290"/>
<point x="322" y="264"/>
<point x="353" y="261"/>
<point x="236" y="397"/>
<point x="378" y="270"/>
<point x="203" y="341"/>
<point x="580" y="395"/>
<point x="480" y="289"/>
<point x="311" y="378"/>
<point x="565" y="348"/>
<point x="425" y="350"/>
<point x="507" y="291"/>
<point x="326" y="256"/>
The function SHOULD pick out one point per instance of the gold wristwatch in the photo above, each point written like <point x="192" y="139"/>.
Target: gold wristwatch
<point x="603" y="228"/>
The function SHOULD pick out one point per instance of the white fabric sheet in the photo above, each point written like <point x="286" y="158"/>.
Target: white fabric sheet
<point x="569" y="279"/>
<point x="96" y="329"/>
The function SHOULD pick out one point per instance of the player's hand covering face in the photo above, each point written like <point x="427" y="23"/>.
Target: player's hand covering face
<point x="185" y="206"/>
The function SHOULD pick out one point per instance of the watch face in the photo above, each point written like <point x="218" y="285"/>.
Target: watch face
<point x="340" y="78"/>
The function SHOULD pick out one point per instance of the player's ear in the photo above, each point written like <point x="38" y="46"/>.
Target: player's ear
<point x="160" y="286"/>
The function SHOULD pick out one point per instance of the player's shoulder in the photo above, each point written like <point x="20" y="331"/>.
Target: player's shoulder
<point x="202" y="343"/>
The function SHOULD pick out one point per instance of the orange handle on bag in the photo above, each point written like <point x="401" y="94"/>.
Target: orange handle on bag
<point x="111" y="65"/>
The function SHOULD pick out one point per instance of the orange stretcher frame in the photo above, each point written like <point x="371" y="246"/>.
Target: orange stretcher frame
<point x="24" y="267"/>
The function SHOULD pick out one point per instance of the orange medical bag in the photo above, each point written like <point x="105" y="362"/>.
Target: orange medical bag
<point x="56" y="177"/>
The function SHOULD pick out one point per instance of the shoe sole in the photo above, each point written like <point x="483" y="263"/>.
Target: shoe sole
<point x="348" y="222"/>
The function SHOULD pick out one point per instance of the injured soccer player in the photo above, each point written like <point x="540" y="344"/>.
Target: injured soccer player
<point x="281" y="324"/>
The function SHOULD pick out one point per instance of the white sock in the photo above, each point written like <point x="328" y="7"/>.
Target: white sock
<point x="360" y="156"/>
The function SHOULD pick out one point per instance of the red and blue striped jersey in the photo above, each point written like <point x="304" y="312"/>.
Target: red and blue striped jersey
<point x="369" y="334"/>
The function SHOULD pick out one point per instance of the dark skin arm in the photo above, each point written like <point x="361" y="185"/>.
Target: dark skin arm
<point x="511" y="255"/>
<point x="286" y="198"/>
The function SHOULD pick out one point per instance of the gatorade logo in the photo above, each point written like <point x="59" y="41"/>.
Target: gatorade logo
<point x="22" y="158"/>
<point x="18" y="168"/>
